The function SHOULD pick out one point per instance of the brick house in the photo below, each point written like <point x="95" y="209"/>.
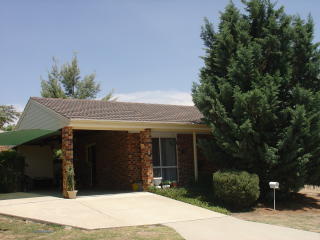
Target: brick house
<point x="113" y="144"/>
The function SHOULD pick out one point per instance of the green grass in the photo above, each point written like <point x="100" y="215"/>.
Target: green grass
<point x="193" y="195"/>
<point x="18" y="229"/>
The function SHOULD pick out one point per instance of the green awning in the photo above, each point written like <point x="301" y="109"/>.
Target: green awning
<point x="14" y="138"/>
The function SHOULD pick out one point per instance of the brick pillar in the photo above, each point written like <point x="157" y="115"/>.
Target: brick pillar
<point x="146" y="158"/>
<point x="67" y="156"/>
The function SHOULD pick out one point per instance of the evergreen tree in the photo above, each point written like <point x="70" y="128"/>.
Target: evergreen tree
<point x="51" y="88"/>
<point x="8" y="115"/>
<point x="259" y="92"/>
<point x="66" y="82"/>
<point x="110" y="97"/>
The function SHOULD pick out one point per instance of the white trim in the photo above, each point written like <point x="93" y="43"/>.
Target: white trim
<point x="137" y="126"/>
<point x="160" y="156"/>
<point x="195" y="157"/>
<point x="163" y="135"/>
<point x="130" y="121"/>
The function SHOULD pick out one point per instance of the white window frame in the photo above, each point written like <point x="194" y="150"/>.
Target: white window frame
<point x="159" y="137"/>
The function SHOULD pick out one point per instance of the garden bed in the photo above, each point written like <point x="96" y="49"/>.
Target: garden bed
<point x="192" y="196"/>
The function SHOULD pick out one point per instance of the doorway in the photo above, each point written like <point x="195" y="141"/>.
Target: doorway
<point x="91" y="159"/>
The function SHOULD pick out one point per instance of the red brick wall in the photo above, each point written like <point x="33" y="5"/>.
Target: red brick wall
<point x="134" y="158"/>
<point x="185" y="158"/>
<point x="118" y="163"/>
<point x="205" y="166"/>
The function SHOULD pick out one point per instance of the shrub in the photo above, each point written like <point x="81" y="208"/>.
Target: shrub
<point x="70" y="179"/>
<point x="188" y="196"/>
<point x="236" y="189"/>
<point x="12" y="167"/>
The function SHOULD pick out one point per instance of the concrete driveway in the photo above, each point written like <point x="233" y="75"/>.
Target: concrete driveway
<point x="101" y="211"/>
<point x="142" y="208"/>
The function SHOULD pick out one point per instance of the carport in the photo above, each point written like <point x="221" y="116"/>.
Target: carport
<point x="37" y="146"/>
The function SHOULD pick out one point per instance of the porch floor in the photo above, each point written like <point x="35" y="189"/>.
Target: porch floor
<point x="94" y="210"/>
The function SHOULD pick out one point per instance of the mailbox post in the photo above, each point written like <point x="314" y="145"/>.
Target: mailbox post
<point x="274" y="186"/>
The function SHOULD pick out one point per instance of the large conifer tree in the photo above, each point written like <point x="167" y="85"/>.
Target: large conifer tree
<point x="259" y="91"/>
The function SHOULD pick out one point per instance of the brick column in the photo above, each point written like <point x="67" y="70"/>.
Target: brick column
<point x="146" y="158"/>
<point x="67" y="156"/>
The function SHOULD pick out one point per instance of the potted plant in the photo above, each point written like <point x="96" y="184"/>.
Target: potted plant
<point x="166" y="184"/>
<point x="137" y="186"/>
<point x="72" y="193"/>
<point x="157" y="182"/>
<point x="174" y="184"/>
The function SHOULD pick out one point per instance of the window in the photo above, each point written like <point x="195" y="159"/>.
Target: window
<point x="164" y="158"/>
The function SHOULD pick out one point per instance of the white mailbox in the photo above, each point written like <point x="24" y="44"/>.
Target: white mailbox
<point x="274" y="185"/>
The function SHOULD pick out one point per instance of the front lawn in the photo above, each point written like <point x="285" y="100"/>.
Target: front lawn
<point x="14" y="228"/>
<point x="192" y="195"/>
<point x="302" y="211"/>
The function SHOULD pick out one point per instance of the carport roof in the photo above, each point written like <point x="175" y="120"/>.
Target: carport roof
<point x="19" y="137"/>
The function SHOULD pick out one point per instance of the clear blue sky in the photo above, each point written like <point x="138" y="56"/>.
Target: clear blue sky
<point x="136" y="47"/>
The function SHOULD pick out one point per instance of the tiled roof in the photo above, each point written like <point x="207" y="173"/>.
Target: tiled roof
<point x="121" y="111"/>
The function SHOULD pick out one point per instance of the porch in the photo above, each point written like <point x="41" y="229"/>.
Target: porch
<point x="115" y="159"/>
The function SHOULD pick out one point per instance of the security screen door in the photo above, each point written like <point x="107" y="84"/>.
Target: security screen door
<point x="164" y="157"/>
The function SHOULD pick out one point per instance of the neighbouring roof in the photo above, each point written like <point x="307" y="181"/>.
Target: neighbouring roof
<point x="121" y="111"/>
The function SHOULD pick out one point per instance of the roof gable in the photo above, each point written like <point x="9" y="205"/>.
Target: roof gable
<point x="37" y="116"/>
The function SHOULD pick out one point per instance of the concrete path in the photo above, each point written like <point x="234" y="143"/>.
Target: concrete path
<point x="230" y="228"/>
<point x="142" y="208"/>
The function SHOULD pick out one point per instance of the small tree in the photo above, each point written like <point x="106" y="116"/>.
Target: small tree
<point x="51" y="88"/>
<point x="259" y="91"/>
<point x="109" y="96"/>
<point x="8" y="115"/>
<point x="66" y="82"/>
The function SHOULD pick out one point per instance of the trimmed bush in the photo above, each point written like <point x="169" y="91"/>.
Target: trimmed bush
<point x="235" y="189"/>
<point x="12" y="167"/>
